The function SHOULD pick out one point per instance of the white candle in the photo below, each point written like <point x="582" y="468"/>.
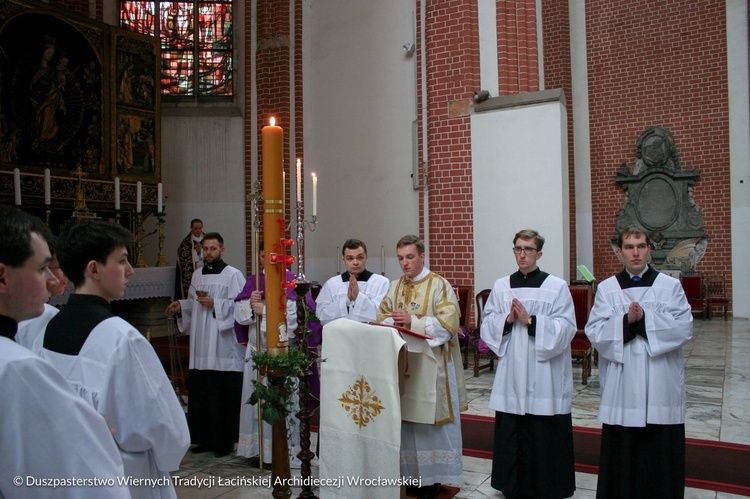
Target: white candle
<point x="47" y="187"/>
<point x="138" y="196"/>
<point x="315" y="194"/>
<point x="160" y="195"/>
<point x="17" y="185"/>
<point x="382" y="260"/>
<point x="117" y="193"/>
<point x="299" y="180"/>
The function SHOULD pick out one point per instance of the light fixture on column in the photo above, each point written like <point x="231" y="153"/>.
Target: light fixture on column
<point x="409" y="48"/>
<point x="481" y="96"/>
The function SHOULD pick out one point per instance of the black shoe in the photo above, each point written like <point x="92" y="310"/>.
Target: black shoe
<point x="223" y="450"/>
<point x="429" y="491"/>
<point x="201" y="448"/>
<point x="254" y="462"/>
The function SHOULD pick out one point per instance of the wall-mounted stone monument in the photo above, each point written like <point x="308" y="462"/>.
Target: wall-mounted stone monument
<point x="659" y="198"/>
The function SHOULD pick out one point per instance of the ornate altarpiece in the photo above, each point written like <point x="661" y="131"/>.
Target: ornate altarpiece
<point x="76" y="94"/>
<point x="659" y="198"/>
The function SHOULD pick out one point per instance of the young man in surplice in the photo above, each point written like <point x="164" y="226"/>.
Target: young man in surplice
<point x="640" y="321"/>
<point x="356" y="294"/>
<point x="109" y="363"/>
<point x="47" y="430"/>
<point x="216" y="359"/>
<point x="529" y="322"/>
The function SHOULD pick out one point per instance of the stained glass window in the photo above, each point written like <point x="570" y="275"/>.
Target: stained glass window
<point x="196" y="45"/>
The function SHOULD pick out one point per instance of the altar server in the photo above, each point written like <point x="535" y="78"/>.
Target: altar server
<point x="216" y="359"/>
<point x="46" y="430"/>
<point x="110" y="364"/>
<point x="29" y="330"/>
<point x="356" y="294"/>
<point x="424" y="302"/>
<point x="640" y="321"/>
<point x="529" y="321"/>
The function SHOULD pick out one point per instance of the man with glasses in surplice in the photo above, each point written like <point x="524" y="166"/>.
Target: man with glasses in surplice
<point x="529" y="321"/>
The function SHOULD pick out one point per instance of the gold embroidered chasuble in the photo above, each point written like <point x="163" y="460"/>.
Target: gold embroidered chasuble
<point x="431" y="296"/>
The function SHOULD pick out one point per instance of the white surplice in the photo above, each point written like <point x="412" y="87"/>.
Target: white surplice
<point x="47" y="431"/>
<point x="534" y="374"/>
<point x="333" y="303"/>
<point x="30" y="329"/>
<point x="212" y="342"/>
<point x="247" y="446"/>
<point x="642" y="381"/>
<point x="119" y="374"/>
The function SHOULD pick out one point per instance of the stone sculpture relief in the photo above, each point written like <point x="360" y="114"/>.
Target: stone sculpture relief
<point x="659" y="198"/>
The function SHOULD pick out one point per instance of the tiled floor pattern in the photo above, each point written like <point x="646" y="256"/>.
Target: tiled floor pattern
<point x="718" y="386"/>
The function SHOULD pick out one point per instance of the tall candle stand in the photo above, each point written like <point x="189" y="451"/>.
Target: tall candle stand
<point x="301" y="224"/>
<point x="162" y="260"/>
<point x="303" y="287"/>
<point x="47" y="214"/>
<point x="140" y="262"/>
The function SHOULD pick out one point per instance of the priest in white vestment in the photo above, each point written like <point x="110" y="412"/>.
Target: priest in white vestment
<point x="529" y="322"/>
<point x="424" y="302"/>
<point x="640" y="322"/>
<point x="110" y="364"/>
<point x="216" y="359"/>
<point x="46" y="430"/>
<point x="356" y="294"/>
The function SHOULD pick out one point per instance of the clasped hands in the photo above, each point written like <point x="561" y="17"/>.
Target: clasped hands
<point x="517" y="313"/>
<point x="635" y="312"/>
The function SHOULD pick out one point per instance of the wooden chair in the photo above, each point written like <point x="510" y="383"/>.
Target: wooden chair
<point x="481" y="350"/>
<point x="694" y="289"/>
<point x="465" y="340"/>
<point x="716" y="294"/>
<point x="580" y="346"/>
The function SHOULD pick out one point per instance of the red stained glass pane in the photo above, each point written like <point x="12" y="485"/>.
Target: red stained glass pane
<point x="177" y="73"/>
<point x="138" y="17"/>
<point x="180" y="25"/>
<point x="215" y="73"/>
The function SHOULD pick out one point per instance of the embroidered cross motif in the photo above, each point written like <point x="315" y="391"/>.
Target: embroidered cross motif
<point x="361" y="402"/>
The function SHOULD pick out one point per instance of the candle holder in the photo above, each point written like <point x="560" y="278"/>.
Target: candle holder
<point x="118" y="214"/>
<point x="140" y="262"/>
<point x="47" y="214"/>
<point x="305" y="455"/>
<point x="161" y="260"/>
<point x="301" y="224"/>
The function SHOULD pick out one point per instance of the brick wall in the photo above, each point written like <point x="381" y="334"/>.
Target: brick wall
<point x="557" y="75"/>
<point x="452" y="48"/>
<point x="273" y="89"/>
<point x="659" y="63"/>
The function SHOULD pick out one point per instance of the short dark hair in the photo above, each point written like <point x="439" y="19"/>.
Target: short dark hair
<point x="527" y="234"/>
<point x="16" y="227"/>
<point x="195" y="220"/>
<point x="632" y="230"/>
<point x="411" y="239"/>
<point x="352" y="244"/>
<point x="89" y="240"/>
<point x="214" y="235"/>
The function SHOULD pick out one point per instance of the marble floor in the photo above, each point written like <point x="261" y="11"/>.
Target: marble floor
<point x="717" y="378"/>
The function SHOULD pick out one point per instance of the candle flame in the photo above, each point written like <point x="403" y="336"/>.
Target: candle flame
<point x="314" y="175"/>
<point x="273" y="121"/>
